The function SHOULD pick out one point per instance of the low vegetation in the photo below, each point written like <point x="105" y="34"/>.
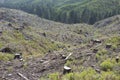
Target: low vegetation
<point x="106" y="65"/>
<point x="6" y="57"/>
<point x="88" y="74"/>
<point x="45" y="45"/>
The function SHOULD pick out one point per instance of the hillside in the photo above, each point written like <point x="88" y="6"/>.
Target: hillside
<point x="46" y="44"/>
<point x="68" y="11"/>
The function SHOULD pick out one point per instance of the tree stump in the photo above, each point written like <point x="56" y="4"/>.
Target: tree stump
<point x="1" y="32"/>
<point x="9" y="24"/>
<point x="97" y="70"/>
<point x="44" y="34"/>
<point x="117" y="59"/>
<point x="63" y="56"/>
<point x="96" y="41"/>
<point x="18" y="56"/>
<point x="108" y="46"/>
<point x="66" y="70"/>
<point x="95" y="50"/>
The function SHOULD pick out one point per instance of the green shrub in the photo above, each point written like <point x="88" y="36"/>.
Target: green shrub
<point x="68" y="77"/>
<point x="54" y="76"/>
<point x="114" y="40"/>
<point x="106" y="65"/>
<point x="109" y="76"/>
<point x="102" y="52"/>
<point x="87" y="74"/>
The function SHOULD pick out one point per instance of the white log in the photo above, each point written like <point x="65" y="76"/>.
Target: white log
<point x="21" y="75"/>
<point x="68" y="56"/>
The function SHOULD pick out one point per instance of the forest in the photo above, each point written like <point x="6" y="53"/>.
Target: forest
<point x="68" y="11"/>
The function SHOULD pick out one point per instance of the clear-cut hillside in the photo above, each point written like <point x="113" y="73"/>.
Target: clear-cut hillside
<point x="46" y="46"/>
<point x="30" y="34"/>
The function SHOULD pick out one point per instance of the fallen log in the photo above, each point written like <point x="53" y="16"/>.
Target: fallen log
<point x="68" y="56"/>
<point x="21" y="75"/>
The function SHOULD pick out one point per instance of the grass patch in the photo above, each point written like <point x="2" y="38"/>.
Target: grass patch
<point x="107" y="65"/>
<point x="6" y="57"/>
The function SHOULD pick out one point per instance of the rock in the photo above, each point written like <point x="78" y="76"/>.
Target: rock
<point x="66" y="70"/>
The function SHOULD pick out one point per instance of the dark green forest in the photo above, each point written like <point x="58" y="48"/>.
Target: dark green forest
<point x="68" y="11"/>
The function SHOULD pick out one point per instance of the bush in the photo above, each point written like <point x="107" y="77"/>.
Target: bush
<point x="102" y="52"/>
<point x="68" y="77"/>
<point x="106" y="65"/>
<point x="86" y="74"/>
<point x="54" y="76"/>
<point x="109" y="76"/>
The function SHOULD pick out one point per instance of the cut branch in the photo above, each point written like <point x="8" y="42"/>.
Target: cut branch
<point x="21" y="75"/>
<point x="68" y="56"/>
